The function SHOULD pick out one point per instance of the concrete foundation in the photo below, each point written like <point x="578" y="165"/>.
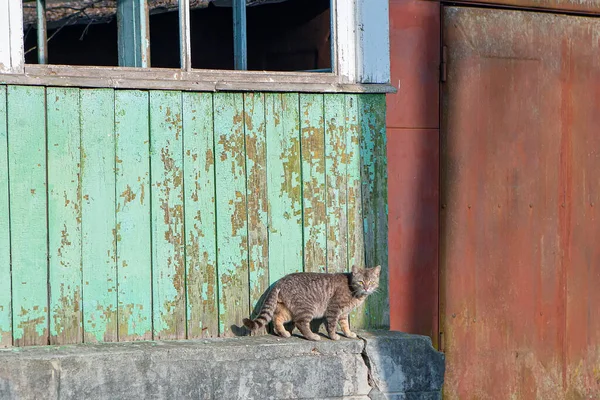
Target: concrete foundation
<point x="380" y="365"/>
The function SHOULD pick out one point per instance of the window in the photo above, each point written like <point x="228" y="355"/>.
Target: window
<point x="304" y="41"/>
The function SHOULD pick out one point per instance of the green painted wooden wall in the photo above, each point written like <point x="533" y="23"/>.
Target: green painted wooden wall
<point x="138" y="215"/>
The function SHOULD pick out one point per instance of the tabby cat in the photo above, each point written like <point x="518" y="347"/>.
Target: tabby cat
<point x="304" y="296"/>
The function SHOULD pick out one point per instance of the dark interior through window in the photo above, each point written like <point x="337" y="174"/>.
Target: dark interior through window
<point x="289" y="35"/>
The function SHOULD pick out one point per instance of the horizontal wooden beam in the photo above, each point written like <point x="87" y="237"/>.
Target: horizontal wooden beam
<point x="98" y="77"/>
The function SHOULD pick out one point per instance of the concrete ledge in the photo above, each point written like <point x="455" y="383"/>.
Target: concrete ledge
<point x="390" y="364"/>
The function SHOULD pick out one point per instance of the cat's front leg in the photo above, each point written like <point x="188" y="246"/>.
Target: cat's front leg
<point x="304" y="327"/>
<point x="346" y="327"/>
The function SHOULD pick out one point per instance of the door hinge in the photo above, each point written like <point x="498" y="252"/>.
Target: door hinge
<point x="443" y="71"/>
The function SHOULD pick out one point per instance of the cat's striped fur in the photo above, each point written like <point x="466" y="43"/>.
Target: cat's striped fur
<point x="304" y="296"/>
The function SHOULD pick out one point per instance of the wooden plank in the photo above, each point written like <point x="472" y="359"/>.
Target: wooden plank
<point x="200" y="221"/>
<point x="133" y="33"/>
<point x="232" y="230"/>
<point x="345" y="39"/>
<point x="5" y="276"/>
<point x="98" y="215"/>
<point x="64" y="216"/>
<point x="132" y="181"/>
<point x="168" y="252"/>
<point x="257" y="195"/>
<point x="285" y="185"/>
<point x="372" y="41"/>
<point x="336" y="160"/>
<point x="28" y="225"/>
<point x="374" y="188"/>
<point x="240" y="50"/>
<point x="356" y="245"/>
<point x="12" y="54"/>
<point x="313" y="182"/>
<point x="185" y="41"/>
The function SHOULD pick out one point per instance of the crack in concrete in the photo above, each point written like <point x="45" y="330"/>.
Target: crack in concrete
<point x="375" y="393"/>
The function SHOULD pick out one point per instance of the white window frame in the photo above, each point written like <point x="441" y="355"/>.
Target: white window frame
<point x="361" y="59"/>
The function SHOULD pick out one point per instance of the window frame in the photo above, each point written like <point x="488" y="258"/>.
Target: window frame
<point x="360" y="55"/>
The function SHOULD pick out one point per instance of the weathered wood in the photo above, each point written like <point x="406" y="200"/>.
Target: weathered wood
<point x="168" y="236"/>
<point x="200" y="221"/>
<point x="240" y="50"/>
<point x="133" y="33"/>
<point x="98" y="215"/>
<point x="336" y="160"/>
<point x="26" y="113"/>
<point x="5" y="278"/>
<point x="372" y="41"/>
<point x="257" y="195"/>
<point x="64" y="215"/>
<point x="356" y="245"/>
<point x="285" y="186"/>
<point x="344" y="43"/>
<point x="176" y="79"/>
<point x="313" y="182"/>
<point x="371" y="109"/>
<point x="232" y="229"/>
<point x="12" y="54"/>
<point x="134" y="264"/>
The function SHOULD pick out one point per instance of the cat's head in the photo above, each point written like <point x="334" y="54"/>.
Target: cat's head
<point x="365" y="281"/>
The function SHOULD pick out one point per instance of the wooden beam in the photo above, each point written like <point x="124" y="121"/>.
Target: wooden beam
<point x="240" y="50"/>
<point x="343" y="32"/>
<point x="133" y="33"/>
<point x="12" y="55"/>
<point x="185" y="35"/>
<point x="373" y="41"/>
<point x="42" y="32"/>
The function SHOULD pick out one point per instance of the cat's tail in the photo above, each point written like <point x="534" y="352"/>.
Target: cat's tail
<point x="266" y="314"/>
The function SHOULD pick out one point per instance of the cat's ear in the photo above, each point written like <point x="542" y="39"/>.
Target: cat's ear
<point x="354" y="269"/>
<point x="377" y="269"/>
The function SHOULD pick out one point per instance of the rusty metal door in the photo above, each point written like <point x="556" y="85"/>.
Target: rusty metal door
<point x="520" y="189"/>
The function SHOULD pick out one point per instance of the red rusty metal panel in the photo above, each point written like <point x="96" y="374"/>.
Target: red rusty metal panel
<point x="413" y="166"/>
<point x="413" y="201"/>
<point x="415" y="60"/>
<point x="576" y="6"/>
<point x="520" y="169"/>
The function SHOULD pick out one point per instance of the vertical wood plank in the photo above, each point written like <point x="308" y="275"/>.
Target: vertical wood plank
<point x="133" y="215"/>
<point x="28" y="219"/>
<point x="336" y="161"/>
<point x="256" y="183"/>
<point x="5" y="278"/>
<point x="284" y="189"/>
<point x="374" y="188"/>
<point x="356" y="246"/>
<point x="12" y="55"/>
<point x="240" y="51"/>
<point x="98" y="215"/>
<point x="133" y="33"/>
<point x="313" y="182"/>
<point x="199" y="182"/>
<point x="64" y="215"/>
<point x="232" y="230"/>
<point x="168" y="242"/>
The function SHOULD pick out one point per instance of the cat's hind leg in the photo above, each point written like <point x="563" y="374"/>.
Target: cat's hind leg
<point x="280" y="317"/>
